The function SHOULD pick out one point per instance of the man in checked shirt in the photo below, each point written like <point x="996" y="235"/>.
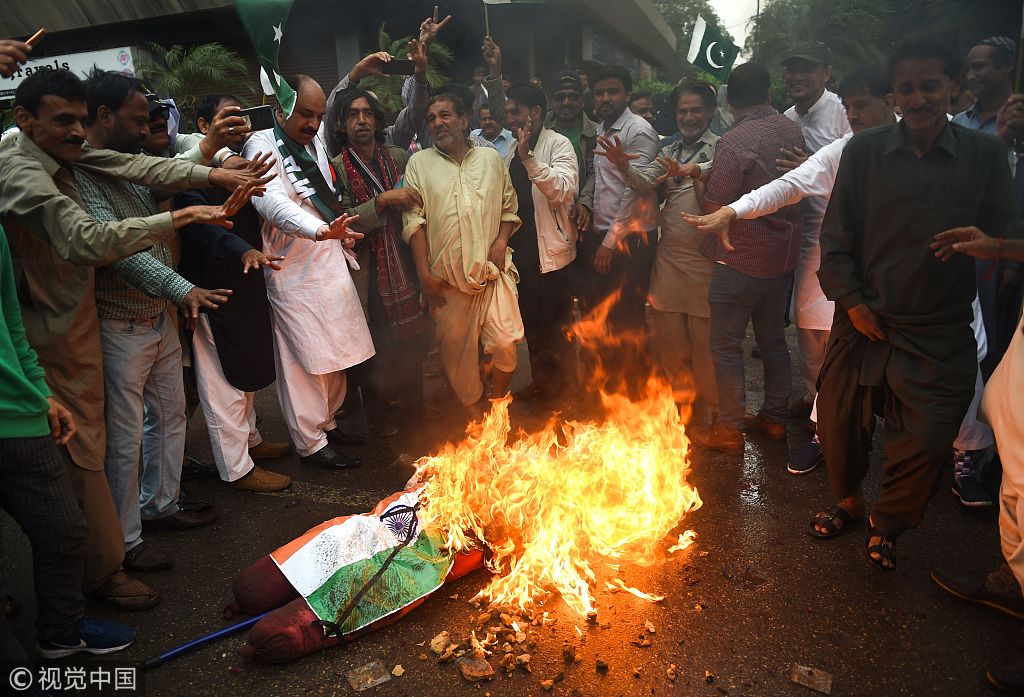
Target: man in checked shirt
<point x="753" y="272"/>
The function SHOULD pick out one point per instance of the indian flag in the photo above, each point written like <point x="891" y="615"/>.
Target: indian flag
<point x="334" y="561"/>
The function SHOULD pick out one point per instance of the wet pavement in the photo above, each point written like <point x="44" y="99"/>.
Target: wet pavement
<point x="754" y="596"/>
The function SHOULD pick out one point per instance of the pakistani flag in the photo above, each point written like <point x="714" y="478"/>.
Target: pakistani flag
<point x="335" y="561"/>
<point x="710" y="51"/>
<point x="264" y="21"/>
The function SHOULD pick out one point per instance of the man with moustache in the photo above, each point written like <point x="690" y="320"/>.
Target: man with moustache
<point x="319" y="327"/>
<point x="369" y="171"/>
<point x="901" y="341"/>
<point x="680" y="317"/>
<point x="821" y="117"/>
<point x="459" y="238"/>
<point x="54" y="245"/>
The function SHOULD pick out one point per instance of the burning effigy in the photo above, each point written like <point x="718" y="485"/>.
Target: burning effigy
<point x="550" y="513"/>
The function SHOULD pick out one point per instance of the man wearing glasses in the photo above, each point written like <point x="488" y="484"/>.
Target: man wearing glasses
<point x="567" y="117"/>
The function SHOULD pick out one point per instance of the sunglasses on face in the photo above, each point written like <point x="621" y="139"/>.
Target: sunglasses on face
<point x="566" y="96"/>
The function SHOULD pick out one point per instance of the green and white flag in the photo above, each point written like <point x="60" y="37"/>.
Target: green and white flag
<point x="336" y="561"/>
<point x="711" y="51"/>
<point x="264" y="21"/>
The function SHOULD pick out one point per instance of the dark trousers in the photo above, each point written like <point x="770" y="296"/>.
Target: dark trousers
<point x="922" y="405"/>
<point x="36" y="491"/>
<point x="735" y="300"/>
<point x="623" y="364"/>
<point x="545" y="303"/>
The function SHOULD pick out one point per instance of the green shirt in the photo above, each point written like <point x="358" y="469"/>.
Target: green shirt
<point x="23" y="390"/>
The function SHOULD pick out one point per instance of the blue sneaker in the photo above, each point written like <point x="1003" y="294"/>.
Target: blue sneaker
<point x="806" y="458"/>
<point x="90" y="636"/>
<point x="966" y="486"/>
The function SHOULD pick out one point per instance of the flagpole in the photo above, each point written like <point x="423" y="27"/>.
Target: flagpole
<point x="487" y="21"/>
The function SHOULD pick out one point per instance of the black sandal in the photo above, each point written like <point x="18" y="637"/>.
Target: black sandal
<point x="886" y="549"/>
<point x="828" y="520"/>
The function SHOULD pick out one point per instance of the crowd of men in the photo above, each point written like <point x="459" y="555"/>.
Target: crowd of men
<point x="146" y="273"/>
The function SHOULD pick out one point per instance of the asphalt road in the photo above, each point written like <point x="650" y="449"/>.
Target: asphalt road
<point x="753" y="597"/>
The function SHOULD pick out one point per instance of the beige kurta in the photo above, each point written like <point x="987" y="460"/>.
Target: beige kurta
<point x="463" y="208"/>
<point x="681" y="275"/>
<point x="1003" y="406"/>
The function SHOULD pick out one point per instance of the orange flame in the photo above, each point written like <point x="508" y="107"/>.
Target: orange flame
<point x="558" y="506"/>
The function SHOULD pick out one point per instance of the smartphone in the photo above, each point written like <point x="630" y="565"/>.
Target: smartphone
<point x="398" y="66"/>
<point x="259" y="118"/>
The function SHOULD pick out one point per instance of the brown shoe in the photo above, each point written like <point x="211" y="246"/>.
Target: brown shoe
<point x="717" y="437"/>
<point x="145" y="557"/>
<point x="182" y="520"/>
<point x="268" y="450"/>
<point x="756" y="423"/>
<point x="262" y="480"/>
<point x="127" y="593"/>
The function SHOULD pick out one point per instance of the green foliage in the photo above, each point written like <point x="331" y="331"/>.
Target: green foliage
<point x="184" y="73"/>
<point x="655" y="87"/>
<point x="680" y="15"/>
<point x="852" y="30"/>
<point x="864" y="31"/>
<point x="388" y="88"/>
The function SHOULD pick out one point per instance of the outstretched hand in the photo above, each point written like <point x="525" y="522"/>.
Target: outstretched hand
<point x="255" y="172"/>
<point x="966" y="240"/>
<point x="254" y="259"/>
<point x="716" y="223"/>
<point x="615" y="153"/>
<point x="338" y="230"/>
<point x="676" y="170"/>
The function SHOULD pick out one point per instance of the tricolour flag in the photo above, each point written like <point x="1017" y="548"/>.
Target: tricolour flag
<point x="334" y="561"/>
<point x="711" y="51"/>
<point x="264" y="21"/>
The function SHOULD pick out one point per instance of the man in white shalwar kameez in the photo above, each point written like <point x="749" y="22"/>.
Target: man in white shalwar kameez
<point x="319" y="326"/>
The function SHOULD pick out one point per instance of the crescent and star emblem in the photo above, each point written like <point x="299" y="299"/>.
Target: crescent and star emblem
<point x="711" y="61"/>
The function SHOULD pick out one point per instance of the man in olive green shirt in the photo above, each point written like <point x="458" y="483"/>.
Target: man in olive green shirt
<point x="54" y="245"/>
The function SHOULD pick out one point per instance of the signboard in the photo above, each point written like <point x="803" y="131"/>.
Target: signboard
<point x="117" y="59"/>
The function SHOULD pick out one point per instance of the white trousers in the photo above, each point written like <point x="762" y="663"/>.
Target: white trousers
<point x="230" y="416"/>
<point x="812" y="344"/>
<point x="974" y="435"/>
<point x="308" y="402"/>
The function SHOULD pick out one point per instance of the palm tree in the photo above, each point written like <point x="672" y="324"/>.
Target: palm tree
<point x="388" y="88"/>
<point x="187" y="73"/>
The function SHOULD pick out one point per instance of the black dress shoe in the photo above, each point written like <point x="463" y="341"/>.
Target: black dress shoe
<point x="338" y="437"/>
<point x="329" y="459"/>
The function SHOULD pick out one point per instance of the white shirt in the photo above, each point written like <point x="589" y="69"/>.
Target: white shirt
<point x="823" y="123"/>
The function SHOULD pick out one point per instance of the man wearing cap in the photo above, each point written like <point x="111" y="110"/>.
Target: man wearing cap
<point x="822" y="118"/>
<point x="567" y="118"/>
